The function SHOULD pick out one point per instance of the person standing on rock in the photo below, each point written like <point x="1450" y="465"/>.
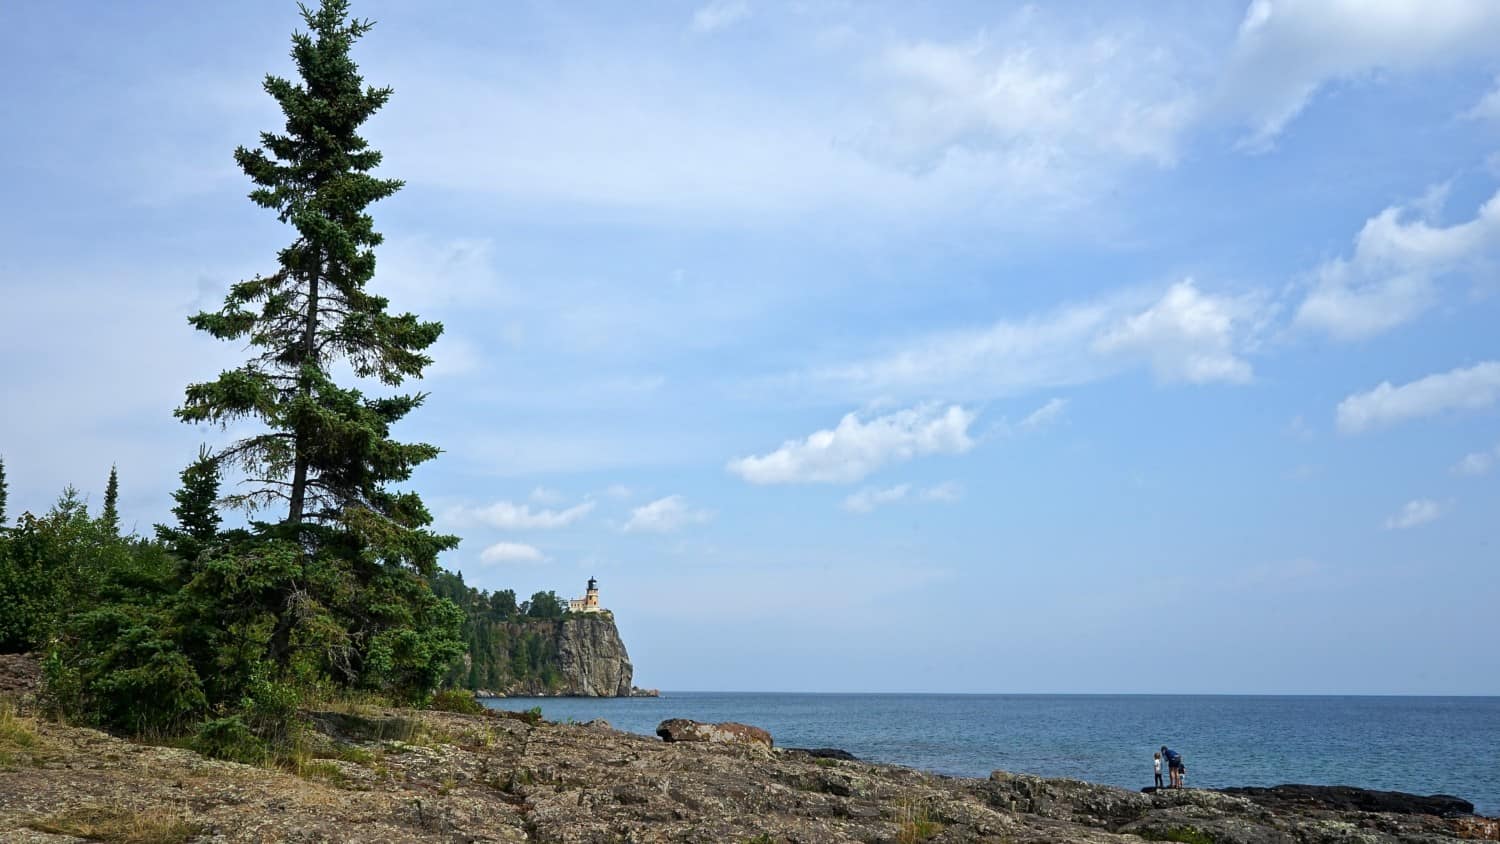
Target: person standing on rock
<point x="1157" y="764"/>
<point x="1174" y="765"/>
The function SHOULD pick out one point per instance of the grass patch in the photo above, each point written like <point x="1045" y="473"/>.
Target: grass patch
<point x="121" y="826"/>
<point x="1182" y="834"/>
<point x="16" y="732"/>
<point x="914" y="822"/>
<point x="17" y="735"/>
<point x="318" y="769"/>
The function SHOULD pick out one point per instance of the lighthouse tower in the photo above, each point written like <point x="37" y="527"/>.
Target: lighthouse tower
<point x="590" y="600"/>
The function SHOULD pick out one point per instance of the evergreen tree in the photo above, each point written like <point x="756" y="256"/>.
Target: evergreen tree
<point x="3" y="492"/>
<point x="109" y="517"/>
<point x="346" y="578"/>
<point x="196" y="511"/>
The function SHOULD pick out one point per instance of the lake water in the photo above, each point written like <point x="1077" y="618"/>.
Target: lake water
<point x="1425" y="745"/>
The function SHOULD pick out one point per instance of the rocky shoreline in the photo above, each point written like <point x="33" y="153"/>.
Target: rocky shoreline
<point x="378" y="775"/>
<point x="393" y="775"/>
<point x="486" y="694"/>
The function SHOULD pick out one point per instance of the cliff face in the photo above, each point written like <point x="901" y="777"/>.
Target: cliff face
<point x="590" y="659"/>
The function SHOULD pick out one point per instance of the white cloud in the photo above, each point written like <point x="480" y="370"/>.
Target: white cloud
<point x="545" y="495"/>
<point x="1391" y="277"/>
<point x="856" y="448"/>
<point x="871" y="497"/>
<point x="947" y="491"/>
<point x="1299" y="429"/>
<point x="511" y="552"/>
<point x="508" y="515"/>
<point x="1025" y="123"/>
<point x="1187" y="336"/>
<point x="1034" y="97"/>
<point x="720" y="14"/>
<point x="1488" y="107"/>
<point x="664" y="515"/>
<point x="1046" y="414"/>
<point x="1478" y="462"/>
<point x="1459" y="389"/>
<point x="1418" y="511"/>
<point x="1287" y="49"/>
<point x="1184" y="335"/>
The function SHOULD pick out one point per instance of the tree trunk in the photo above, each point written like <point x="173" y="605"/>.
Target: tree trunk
<point x="309" y="351"/>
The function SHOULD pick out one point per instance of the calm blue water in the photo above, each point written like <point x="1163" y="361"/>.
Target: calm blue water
<point x="1426" y="745"/>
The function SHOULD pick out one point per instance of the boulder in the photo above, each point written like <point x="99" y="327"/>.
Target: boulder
<point x="728" y="732"/>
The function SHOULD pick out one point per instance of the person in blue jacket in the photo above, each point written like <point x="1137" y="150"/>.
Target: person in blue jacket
<point x="1174" y="765"/>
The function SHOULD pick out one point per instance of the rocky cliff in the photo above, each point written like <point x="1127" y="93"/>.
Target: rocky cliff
<point x="589" y="659"/>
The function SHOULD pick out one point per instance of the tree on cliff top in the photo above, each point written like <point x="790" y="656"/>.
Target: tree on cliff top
<point x="109" y="517"/>
<point x="3" y="492"/>
<point x="345" y="579"/>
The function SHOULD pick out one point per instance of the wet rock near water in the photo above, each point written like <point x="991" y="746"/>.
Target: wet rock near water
<point x="825" y="753"/>
<point x="1342" y="798"/>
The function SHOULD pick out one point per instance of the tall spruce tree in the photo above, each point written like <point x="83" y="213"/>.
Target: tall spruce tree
<point x="326" y="454"/>
<point x="4" y="491"/>
<point x="109" y="517"/>
<point x="196" y="511"/>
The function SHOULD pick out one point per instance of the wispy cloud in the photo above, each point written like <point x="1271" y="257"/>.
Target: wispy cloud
<point x="1478" y="463"/>
<point x="947" y="491"/>
<point x="1045" y="415"/>
<point x="1469" y="388"/>
<point x="544" y="495"/>
<point x="511" y="552"/>
<point x="1183" y="335"/>
<point x="508" y="515"/>
<point x="665" y="515"/>
<point x="867" y="499"/>
<point x="858" y="447"/>
<point x="1417" y="512"/>
<point x="1034" y="97"/>
<point x="720" y="14"/>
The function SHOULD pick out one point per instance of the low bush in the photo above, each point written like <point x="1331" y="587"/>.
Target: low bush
<point x="232" y="740"/>
<point x="457" y="700"/>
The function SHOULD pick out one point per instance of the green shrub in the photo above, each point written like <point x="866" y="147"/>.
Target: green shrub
<point x="232" y="740"/>
<point x="457" y="700"/>
<point x="270" y="711"/>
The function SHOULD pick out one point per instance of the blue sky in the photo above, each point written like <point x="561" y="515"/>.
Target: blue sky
<point x="1096" y="347"/>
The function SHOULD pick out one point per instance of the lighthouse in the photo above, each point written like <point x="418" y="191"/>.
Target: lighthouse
<point x="590" y="600"/>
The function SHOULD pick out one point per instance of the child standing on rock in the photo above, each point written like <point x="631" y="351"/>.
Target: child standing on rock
<point x="1157" y="764"/>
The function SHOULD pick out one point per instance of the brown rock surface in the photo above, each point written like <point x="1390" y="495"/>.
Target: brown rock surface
<point x="728" y="732"/>
<point x="19" y="675"/>
<point x="398" y="776"/>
